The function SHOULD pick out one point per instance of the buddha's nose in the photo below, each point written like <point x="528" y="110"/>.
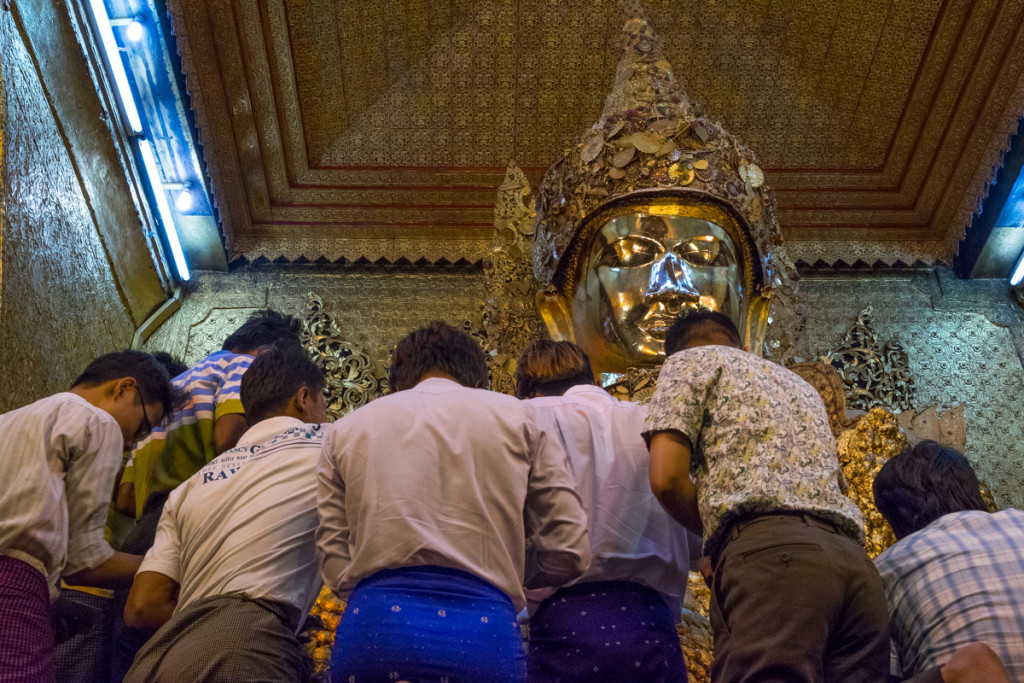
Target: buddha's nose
<point x="670" y="277"/>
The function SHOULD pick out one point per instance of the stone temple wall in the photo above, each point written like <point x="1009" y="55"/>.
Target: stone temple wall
<point x="964" y="339"/>
<point x="79" y="272"/>
<point x="965" y="344"/>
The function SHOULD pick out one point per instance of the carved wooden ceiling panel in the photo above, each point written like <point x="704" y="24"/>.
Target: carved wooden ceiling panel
<point x="381" y="130"/>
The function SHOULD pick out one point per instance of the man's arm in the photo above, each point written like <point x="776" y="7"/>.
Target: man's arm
<point x="332" y="533"/>
<point x="151" y="601"/>
<point x="116" y="571"/>
<point x="88" y="481"/>
<point x="125" y="501"/>
<point x="669" y="473"/>
<point x="227" y="430"/>
<point x="154" y="593"/>
<point x="554" y="518"/>
<point x="973" y="663"/>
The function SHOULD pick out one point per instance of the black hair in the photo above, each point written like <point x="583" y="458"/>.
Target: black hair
<point x="694" y="324"/>
<point x="923" y="483"/>
<point x="274" y="377"/>
<point x="173" y="366"/>
<point x="150" y="376"/>
<point x="440" y="347"/>
<point x="264" y="327"/>
<point x="550" y="368"/>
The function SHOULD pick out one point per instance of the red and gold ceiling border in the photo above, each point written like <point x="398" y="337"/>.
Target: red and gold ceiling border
<point x="381" y="130"/>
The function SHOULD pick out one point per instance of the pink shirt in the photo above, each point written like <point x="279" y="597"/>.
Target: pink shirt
<point x="448" y="476"/>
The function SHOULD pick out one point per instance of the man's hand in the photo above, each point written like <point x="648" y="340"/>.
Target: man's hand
<point x="125" y="501"/>
<point x="974" y="663"/>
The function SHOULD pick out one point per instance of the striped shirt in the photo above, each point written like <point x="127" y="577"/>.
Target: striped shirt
<point x="244" y="524"/>
<point x="178" y="448"/>
<point x="58" y="462"/>
<point x="958" y="580"/>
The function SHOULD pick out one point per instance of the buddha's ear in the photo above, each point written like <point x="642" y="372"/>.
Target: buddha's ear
<point x="755" y="326"/>
<point x="556" y="312"/>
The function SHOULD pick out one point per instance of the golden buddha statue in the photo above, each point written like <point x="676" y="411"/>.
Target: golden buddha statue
<point x="654" y="210"/>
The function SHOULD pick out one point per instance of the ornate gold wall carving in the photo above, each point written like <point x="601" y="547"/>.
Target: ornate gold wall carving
<point x="875" y="373"/>
<point x="510" y="318"/>
<point x="964" y="340"/>
<point x="372" y="309"/>
<point x="352" y="377"/>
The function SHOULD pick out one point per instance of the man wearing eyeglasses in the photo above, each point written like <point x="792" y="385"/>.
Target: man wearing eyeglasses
<point x="59" y="458"/>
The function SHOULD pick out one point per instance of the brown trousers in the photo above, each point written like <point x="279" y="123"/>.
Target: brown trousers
<point x="795" y="600"/>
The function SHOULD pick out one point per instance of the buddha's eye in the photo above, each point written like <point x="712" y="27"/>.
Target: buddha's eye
<point x="705" y="251"/>
<point x="629" y="252"/>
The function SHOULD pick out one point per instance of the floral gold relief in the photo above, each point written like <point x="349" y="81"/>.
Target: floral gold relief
<point x="862" y="452"/>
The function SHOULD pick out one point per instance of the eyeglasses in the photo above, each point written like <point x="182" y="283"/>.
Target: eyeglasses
<point x="146" y="427"/>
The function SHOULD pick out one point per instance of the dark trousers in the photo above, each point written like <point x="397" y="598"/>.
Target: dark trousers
<point x="85" y="657"/>
<point x="128" y="641"/>
<point x="603" y="631"/>
<point x="795" y="600"/>
<point x="223" y="638"/>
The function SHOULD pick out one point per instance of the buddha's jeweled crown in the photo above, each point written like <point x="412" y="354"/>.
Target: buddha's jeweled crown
<point x="652" y="140"/>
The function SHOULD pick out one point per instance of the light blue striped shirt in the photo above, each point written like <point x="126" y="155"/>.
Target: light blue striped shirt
<point x="958" y="580"/>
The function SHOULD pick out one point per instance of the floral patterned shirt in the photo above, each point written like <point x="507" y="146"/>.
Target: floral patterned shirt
<point x="760" y="435"/>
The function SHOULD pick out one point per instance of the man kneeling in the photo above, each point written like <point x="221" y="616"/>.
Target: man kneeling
<point x="234" y="570"/>
<point x="956" y="574"/>
<point x="794" y="596"/>
<point x="617" y="621"/>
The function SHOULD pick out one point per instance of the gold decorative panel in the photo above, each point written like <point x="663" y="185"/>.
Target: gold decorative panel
<point x="370" y="311"/>
<point x="345" y="130"/>
<point x="352" y="377"/>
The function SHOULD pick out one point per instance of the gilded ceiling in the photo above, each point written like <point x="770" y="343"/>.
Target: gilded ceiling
<point x="381" y="130"/>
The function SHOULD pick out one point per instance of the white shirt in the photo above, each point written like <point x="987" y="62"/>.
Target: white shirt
<point x="58" y="460"/>
<point x="632" y="538"/>
<point x="245" y="523"/>
<point x="443" y="475"/>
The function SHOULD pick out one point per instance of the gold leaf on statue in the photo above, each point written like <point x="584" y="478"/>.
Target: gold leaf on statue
<point x="647" y="142"/>
<point x="623" y="157"/>
<point x="591" y="148"/>
<point x="755" y="176"/>
<point x="667" y="148"/>
<point x="680" y="174"/>
<point x="664" y="127"/>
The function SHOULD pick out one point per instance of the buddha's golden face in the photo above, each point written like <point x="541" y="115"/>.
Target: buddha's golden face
<point x="642" y="270"/>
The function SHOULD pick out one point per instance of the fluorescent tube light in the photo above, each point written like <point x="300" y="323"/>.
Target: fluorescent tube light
<point x="164" y="209"/>
<point x="1018" y="272"/>
<point x="99" y="12"/>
